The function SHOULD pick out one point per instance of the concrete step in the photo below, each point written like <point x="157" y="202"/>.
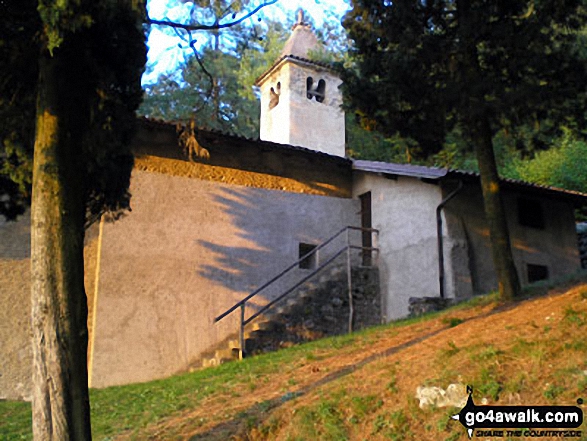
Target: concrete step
<point x="226" y="354"/>
<point x="255" y="334"/>
<point x="337" y="271"/>
<point x="262" y="325"/>
<point x="308" y="306"/>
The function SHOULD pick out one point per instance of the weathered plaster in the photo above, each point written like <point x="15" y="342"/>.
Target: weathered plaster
<point x="15" y="298"/>
<point x="174" y="167"/>
<point x="189" y="250"/>
<point x="15" y="327"/>
<point x="404" y="213"/>
<point x="470" y="254"/>
<point x="243" y="162"/>
<point x="297" y="120"/>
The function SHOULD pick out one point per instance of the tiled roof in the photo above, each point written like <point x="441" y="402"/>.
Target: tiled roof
<point x="301" y="41"/>
<point x="416" y="171"/>
<point x="435" y="173"/>
<point x="389" y="168"/>
<point x="576" y="196"/>
<point x="298" y="59"/>
<point x="220" y="135"/>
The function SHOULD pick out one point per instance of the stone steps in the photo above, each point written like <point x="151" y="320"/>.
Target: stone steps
<point x="316" y="310"/>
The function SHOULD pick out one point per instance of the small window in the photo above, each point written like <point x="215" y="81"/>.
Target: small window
<point x="274" y="95"/>
<point x="315" y="90"/>
<point x="530" y="213"/>
<point x="537" y="272"/>
<point x="310" y="261"/>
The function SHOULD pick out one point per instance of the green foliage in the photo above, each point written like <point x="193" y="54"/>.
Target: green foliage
<point x="99" y="85"/>
<point x="368" y="144"/>
<point x="575" y="317"/>
<point x="15" y="423"/>
<point x="552" y="391"/>
<point x="215" y="104"/>
<point x="61" y="17"/>
<point x="564" y="165"/>
<point x="219" y="92"/>
<point x="425" y="69"/>
<point x="452" y="349"/>
<point x="260" y="56"/>
<point x="451" y="322"/>
<point x="17" y="103"/>
<point x="488" y="384"/>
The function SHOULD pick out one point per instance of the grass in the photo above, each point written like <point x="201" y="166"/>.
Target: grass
<point x="132" y="407"/>
<point x="15" y="420"/>
<point x="370" y="400"/>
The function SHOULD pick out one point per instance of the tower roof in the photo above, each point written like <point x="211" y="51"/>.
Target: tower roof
<point x="302" y="39"/>
<point x="297" y="47"/>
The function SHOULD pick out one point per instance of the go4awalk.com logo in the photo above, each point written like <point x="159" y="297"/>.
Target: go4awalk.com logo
<point x="506" y="421"/>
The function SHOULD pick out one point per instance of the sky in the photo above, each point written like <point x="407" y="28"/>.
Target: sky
<point x="165" y="54"/>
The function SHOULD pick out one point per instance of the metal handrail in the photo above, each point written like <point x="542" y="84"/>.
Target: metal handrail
<point x="289" y="268"/>
<point x="297" y="285"/>
<point x="242" y="303"/>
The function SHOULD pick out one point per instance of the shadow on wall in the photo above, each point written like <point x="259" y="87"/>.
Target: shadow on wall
<point x="15" y="331"/>
<point x="263" y="233"/>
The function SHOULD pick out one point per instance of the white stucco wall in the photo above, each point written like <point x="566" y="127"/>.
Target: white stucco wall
<point x="297" y="120"/>
<point x="15" y="307"/>
<point x="15" y="304"/>
<point x="189" y="250"/>
<point x="404" y="211"/>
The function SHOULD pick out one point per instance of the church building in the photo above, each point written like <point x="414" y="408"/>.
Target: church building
<point x="203" y="234"/>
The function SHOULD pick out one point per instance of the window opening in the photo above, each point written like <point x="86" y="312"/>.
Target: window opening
<point x="315" y="90"/>
<point x="536" y="272"/>
<point x="274" y="95"/>
<point x="530" y="213"/>
<point x="310" y="261"/>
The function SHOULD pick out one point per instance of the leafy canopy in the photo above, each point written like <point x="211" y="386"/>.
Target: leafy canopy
<point x="104" y="45"/>
<point x="425" y="67"/>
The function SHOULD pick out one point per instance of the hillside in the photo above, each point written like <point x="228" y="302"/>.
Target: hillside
<point x="362" y="387"/>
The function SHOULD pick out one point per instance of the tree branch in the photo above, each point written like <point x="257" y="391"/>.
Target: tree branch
<point x="203" y="27"/>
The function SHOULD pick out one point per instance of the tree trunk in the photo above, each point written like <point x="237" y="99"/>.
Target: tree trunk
<point x="476" y="118"/>
<point x="61" y="409"/>
<point x="507" y="276"/>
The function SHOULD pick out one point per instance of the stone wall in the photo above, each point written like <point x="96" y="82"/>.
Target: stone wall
<point x="321" y="309"/>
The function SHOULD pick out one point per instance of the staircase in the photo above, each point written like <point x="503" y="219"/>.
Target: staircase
<point x="319" y="309"/>
<point x="316" y="306"/>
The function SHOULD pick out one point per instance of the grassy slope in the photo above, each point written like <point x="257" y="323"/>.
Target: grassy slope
<point x="360" y="386"/>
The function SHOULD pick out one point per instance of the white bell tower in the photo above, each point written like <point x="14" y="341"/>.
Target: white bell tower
<point x="300" y="98"/>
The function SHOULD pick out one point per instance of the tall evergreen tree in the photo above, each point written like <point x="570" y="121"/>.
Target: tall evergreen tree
<point x="212" y="97"/>
<point x="214" y="85"/>
<point x="71" y="84"/>
<point x="426" y="66"/>
<point x="69" y="90"/>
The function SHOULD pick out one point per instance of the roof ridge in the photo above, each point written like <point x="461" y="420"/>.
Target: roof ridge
<point x="324" y="65"/>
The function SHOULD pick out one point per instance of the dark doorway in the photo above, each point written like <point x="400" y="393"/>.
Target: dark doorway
<point x="366" y="222"/>
<point x="310" y="261"/>
<point x="537" y="273"/>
